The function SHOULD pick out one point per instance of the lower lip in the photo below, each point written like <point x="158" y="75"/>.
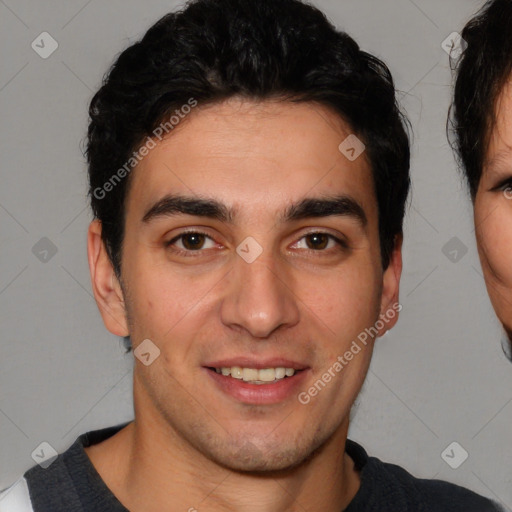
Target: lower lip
<point x="248" y="393"/>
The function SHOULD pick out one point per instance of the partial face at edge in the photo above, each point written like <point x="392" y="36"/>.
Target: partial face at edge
<point x="303" y="300"/>
<point x="493" y="212"/>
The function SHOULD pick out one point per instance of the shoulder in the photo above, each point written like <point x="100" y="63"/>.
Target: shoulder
<point x="16" y="498"/>
<point x="40" y="488"/>
<point x="390" y="488"/>
<point x="64" y="483"/>
<point x="431" y="495"/>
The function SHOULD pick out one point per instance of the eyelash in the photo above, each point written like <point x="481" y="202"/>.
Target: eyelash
<point x="180" y="252"/>
<point x="504" y="185"/>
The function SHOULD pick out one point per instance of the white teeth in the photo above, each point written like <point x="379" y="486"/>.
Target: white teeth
<point x="255" y="375"/>
<point x="236" y="372"/>
<point x="267" y="375"/>
<point x="250" y="374"/>
<point x="280" y="372"/>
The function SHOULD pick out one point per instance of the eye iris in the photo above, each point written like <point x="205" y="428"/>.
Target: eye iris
<point x="316" y="237"/>
<point x="196" y="239"/>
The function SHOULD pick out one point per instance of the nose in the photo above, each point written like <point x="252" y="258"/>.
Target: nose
<point x="259" y="297"/>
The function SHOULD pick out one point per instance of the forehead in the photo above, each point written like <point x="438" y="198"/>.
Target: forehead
<point x="500" y="140"/>
<point x="254" y="157"/>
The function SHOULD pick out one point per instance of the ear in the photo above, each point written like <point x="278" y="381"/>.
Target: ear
<point x="105" y="285"/>
<point x="390" y="306"/>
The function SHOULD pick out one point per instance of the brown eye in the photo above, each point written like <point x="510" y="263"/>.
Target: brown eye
<point x="321" y="242"/>
<point x="190" y="242"/>
<point x="317" y="241"/>
<point x="193" y="241"/>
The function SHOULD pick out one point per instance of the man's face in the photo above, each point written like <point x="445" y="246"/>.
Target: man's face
<point x="210" y="300"/>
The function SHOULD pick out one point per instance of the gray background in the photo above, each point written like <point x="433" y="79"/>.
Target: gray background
<point x="438" y="377"/>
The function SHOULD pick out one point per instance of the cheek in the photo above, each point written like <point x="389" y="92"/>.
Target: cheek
<point x="157" y="301"/>
<point x="494" y="239"/>
<point x="346" y="302"/>
<point x="164" y="301"/>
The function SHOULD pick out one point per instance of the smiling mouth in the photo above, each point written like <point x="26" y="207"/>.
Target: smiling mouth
<point x="256" y="376"/>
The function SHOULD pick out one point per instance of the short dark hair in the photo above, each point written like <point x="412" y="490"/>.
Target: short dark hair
<point x="216" y="49"/>
<point x="482" y="71"/>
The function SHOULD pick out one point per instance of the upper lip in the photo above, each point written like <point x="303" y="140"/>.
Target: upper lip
<point x="259" y="364"/>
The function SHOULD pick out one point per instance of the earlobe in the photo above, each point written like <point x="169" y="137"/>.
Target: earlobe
<point x="390" y="306"/>
<point x="105" y="284"/>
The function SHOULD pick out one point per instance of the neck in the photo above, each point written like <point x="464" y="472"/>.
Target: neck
<point x="150" y="468"/>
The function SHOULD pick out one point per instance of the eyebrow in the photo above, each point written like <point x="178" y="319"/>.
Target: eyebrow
<point x="313" y="207"/>
<point x="502" y="158"/>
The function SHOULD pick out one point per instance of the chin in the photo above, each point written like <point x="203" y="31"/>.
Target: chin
<point x="276" y="456"/>
<point x="506" y="342"/>
<point x="249" y="459"/>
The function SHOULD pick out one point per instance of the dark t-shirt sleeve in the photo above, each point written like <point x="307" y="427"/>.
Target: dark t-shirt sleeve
<point x="390" y="488"/>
